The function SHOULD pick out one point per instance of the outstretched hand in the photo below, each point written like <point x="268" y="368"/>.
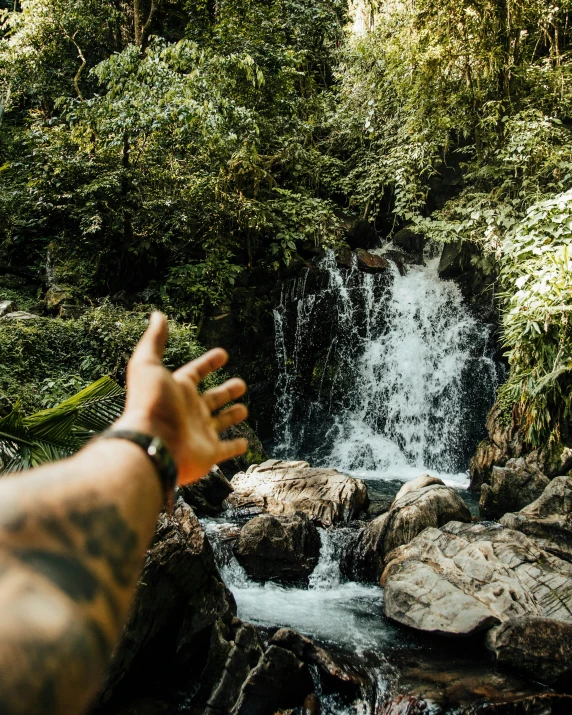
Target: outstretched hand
<point x="168" y="405"/>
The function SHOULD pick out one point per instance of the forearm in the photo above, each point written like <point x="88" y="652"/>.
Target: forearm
<point x="72" y="540"/>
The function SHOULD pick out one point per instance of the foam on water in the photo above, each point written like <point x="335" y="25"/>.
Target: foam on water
<point x="335" y="611"/>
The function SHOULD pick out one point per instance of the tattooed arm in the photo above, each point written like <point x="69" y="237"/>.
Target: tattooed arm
<point x="73" y="534"/>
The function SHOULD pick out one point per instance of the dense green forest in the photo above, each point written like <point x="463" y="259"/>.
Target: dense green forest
<point x="154" y="152"/>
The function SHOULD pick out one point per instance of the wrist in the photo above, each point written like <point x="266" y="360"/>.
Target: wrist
<point x="156" y="451"/>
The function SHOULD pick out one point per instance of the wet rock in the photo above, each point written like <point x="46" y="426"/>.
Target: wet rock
<point x="487" y="455"/>
<point x="548" y="520"/>
<point x="243" y="656"/>
<point x="208" y="494"/>
<point x="371" y="262"/>
<point x="421" y="503"/>
<point x="311" y="705"/>
<point x="454" y="679"/>
<point x="410" y="241"/>
<point x="279" y="681"/>
<point x="344" y="258"/>
<point x="538" y="647"/>
<point x="278" y="548"/>
<point x="361" y="234"/>
<point x="512" y="487"/>
<point x="311" y="654"/>
<point x="180" y="597"/>
<point x="465" y="578"/>
<point x="405" y="705"/>
<point x="7" y="306"/>
<point x="277" y="487"/>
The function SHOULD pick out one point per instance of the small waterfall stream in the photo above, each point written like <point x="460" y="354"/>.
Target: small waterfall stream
<point x="381" y="375"/>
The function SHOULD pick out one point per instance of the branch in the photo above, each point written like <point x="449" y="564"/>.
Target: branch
<point x="147" y="24"/>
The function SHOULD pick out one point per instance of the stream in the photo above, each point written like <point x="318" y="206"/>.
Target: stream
<point x="383" y="377"/>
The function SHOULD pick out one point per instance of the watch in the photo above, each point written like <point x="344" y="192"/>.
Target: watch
<point x="157" y="451"/>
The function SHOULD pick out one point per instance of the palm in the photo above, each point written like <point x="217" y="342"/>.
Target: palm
<point x="170" y="406"/>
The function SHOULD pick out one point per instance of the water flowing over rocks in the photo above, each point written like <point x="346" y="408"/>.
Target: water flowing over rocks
<point x="279" y="487"/>
<point x="421" y="503"/>
<point x="462" y="579"/>
<point x="384" y="373"/>
<point x="278" y="548"/>
<point x="548" y="520"/>
<point x="512" y="487"/>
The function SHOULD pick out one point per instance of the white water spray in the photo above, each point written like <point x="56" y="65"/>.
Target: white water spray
<point x="405" y="373"/>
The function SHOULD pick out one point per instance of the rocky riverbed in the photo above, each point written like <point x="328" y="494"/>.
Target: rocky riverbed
<point x="264" y="596"/>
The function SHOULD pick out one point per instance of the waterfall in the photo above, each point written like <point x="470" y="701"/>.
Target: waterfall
<point x="380" y="374"/>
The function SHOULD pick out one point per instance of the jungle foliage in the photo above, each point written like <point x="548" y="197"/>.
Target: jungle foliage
<point x="165" y="148"/>
<point x="456" y="117"/>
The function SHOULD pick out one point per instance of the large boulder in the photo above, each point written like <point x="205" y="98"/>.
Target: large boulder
<point x="511" y="488"/>
<point x="421" y="503"/>
<point x="180" y="598"/>
<point x="548" y="520"/>
<point x="538" y="646"/>
<point x="278" y="548"/>
<point x="207" y="496"/>
<point x="466" y="578"/>
<point x="278" y="487"/>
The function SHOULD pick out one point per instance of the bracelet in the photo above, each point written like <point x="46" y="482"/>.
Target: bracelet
<point x="157" y="451"/>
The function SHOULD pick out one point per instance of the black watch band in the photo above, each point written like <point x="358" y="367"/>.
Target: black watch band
<point x="157" y="451"/>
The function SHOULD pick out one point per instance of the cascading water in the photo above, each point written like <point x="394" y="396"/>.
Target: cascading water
<point x="380" y="374"/>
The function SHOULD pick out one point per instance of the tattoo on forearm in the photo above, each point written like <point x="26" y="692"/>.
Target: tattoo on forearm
<point x="92" y="556"/>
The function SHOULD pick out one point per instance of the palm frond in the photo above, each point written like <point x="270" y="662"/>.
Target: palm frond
<point x="56" y="433"/>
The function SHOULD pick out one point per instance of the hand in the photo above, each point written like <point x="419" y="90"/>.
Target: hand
<point x="168" y="405"/>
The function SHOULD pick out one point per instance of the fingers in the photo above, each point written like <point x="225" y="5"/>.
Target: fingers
<point x="232" y="448"/>
<point x="151" y="346"/>
<point x="232" y="416"/>
<point x="198" y="369"/>
<point x="223" y="394"/>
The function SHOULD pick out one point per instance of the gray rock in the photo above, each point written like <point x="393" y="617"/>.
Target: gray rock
<point x="538" y="647"/>
<point x="243" y="655"/>
<point x="7" y="306"/>
<point x="421" y="503"/>
<point x="20" y="315"/>
<point x="465" y="578"/>
<point x="512" y="487"/>
<point x="278" y="548"/>
<point x="277" y="487"/>
<point x="548" y="520"/>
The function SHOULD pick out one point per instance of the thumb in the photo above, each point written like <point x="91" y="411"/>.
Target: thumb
<point x="152" y="345"/>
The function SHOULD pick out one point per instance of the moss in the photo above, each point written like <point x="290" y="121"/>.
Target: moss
<point x="45" y="361"/>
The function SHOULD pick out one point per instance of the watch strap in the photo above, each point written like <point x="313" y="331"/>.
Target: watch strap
<point x="157" y="451"/>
